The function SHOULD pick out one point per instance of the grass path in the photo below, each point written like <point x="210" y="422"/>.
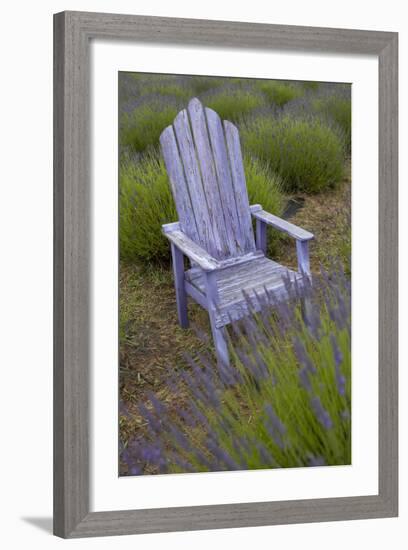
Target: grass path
<point x="327" y="216"/>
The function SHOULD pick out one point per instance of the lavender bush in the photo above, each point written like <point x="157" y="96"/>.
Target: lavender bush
<point x="285" y="400"/>
<point x="279" y="93"/>
<point x="304" y="151"/>
<point x="233" y="102"/>
<point x="143" y="121"/>
<point x="339" y="110"/>
<point x="146" y="202"/>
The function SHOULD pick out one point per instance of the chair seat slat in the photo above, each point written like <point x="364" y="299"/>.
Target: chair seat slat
<point x="237" y="283"/>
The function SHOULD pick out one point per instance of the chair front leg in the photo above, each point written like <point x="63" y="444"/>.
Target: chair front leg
<point x="220" y="340"/>
<point x="261" y="235"/>
<point x="181" y="296"/>
<point x="302" y="249"/>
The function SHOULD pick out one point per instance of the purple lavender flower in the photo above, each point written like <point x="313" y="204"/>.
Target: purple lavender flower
<point x="341" y="383"/>
<point x="316" y="461"/>
<point x="302" y="355"/>
<point x="312" y="321"/>
<point x="154" y="423"/>
<point x="321" y="413"/>
<point x="187" y="417"/>
<point x="179" y="438"/>
<point x="304" y="379"/>
<point x="274" y="426"/>
<point x="338" y="359"/>
<point x="275" y="420"/>
<point x="221" y="455"/>
<point x="152" y="454"/>
<point x="267" y="458"/>
<point x="338" y="356"/>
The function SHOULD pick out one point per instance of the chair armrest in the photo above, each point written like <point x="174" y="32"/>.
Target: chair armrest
<point x="192" y="250"/>
<point x="282" y="225"/>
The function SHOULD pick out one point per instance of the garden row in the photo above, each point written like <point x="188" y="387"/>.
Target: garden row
<point x="295" y="139"/>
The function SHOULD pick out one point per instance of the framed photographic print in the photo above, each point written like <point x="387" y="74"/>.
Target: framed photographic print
<point x="225" y="274"/>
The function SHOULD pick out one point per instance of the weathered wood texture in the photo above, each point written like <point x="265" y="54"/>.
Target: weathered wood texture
<point x="247" y="281"/>
<point x="281" y="225"/>
<point x="211" y="199"/>
<point x="181" y="295"/>
<point x="192" y="250"/>
<point x="72" y="34"/>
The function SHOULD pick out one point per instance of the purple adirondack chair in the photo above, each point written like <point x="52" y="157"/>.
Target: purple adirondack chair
<point x="204" y="163"/>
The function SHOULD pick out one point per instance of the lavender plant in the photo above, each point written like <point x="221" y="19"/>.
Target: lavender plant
<point x="278" y="93"/>
<point x="339" y="110"/>
<point x="304" y="151"/>
<point x="142" y="122"/>
<point x="146" y="202"/>
<point x="233" y="102"/>
<point x="285" y="400"/>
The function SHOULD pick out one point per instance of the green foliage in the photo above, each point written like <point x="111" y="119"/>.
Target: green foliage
<point x="339" y="110"/>
<point x="142" y="127"/>
<point x="202" y="84"/>
<point x="166" y="87"/>
<point x="310" y="85"/>
<point x="306" y="153"/>
<point x="279" y="93"/>
<point x="311" y="391"/>
<point x="265" y="188"/>
<point x="146" y="203"/>
<point x="234" y="104"/>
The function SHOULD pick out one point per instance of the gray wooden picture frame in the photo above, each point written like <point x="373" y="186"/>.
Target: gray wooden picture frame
<point x="72" y="34"/>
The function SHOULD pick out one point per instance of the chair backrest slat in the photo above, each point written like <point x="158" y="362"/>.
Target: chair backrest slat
<point x="239" y="182"/>
<point x="197" y="196"/>
<point x="178" y="184"/>
<point x="225" y="185"/>
<point x="204" y="164"/>
<point x="209" y="179"/>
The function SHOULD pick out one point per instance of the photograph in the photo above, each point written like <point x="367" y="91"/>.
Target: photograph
<point x="201" y="286"/>
<point x="234" y="273"/>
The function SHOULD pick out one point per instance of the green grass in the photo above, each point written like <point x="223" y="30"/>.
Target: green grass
<point x="141" y="128"/>
<point x="279" y="93"/>
<point x="306" y="153"/>
<point x="146" y="203"/>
